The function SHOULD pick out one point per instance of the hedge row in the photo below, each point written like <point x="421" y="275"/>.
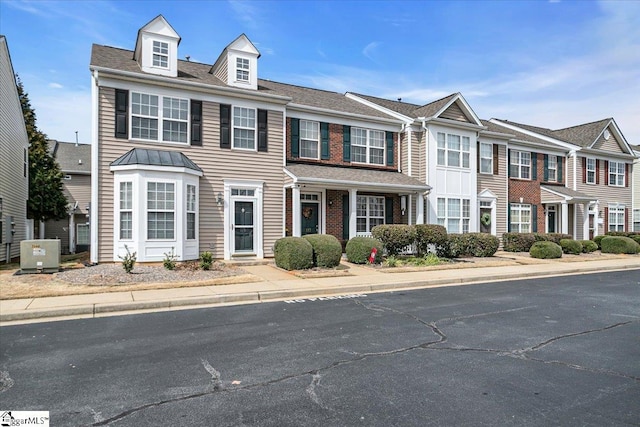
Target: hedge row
<point x="619" y="245"/>
<point x="312" y="250"/>
<point x="522" y="242"/>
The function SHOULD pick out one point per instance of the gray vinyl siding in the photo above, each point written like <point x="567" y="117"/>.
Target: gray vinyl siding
<point x="454" y="112"/>
<point x="611" y="144"/>
<point x="216" y="163"/>
<point x="223" y="71"/>
<point x="14" y="186"/>
<point x="77" y="189"/>
<point x="636" y="183"/>
<point x="497" y="184"/>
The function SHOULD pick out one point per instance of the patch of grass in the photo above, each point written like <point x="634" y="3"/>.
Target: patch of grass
<point x="413" y="261"/>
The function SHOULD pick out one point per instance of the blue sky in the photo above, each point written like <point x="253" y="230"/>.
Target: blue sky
<point x="547" y="63"/>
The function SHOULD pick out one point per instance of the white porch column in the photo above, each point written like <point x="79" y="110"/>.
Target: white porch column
<point x="352" y="212"/>
<point x="409" y="210"/>
<point x="296" y="219"/>
<point x="419" y="209"/>
<point x="72" y="233"/>
<point x="585" y="221"/>
<point x="564" y="228"/>
<point x="596" y="225"/>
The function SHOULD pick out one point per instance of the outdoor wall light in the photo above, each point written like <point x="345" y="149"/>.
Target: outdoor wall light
<point x="219" y="199"/>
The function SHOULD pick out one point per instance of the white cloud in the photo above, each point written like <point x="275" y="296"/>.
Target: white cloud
<point x="55" y="85"/>
<point x="246" y="12"/>
<point x="370" y="50"/>
<point x="61" y="112"/>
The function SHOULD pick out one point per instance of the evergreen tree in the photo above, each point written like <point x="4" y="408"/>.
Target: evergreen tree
<point x="46" y="198"/>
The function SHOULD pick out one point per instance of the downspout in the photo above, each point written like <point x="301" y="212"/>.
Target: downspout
<point x="93" y="210"/>
<point x="573" y="154"/>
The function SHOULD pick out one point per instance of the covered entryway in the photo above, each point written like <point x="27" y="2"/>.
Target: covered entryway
<point x="561" y="211"/>
<point x="243" y="221"/>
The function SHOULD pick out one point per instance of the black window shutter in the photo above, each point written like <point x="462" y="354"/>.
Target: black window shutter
<point x="389" y="136"/>
<point x="496" y="170"/>
<point x="345" y="217"/>
<point x="546" y="167"/>
<point x="225" y="126"/>
<point x="196" y="123"/>
<point x="509" y="217"/>
<point x="295" y="138"/>
<point x="324" y="141"/>
<point x="534" y="218"/>
<point x="560" y="176"/>
<point x="262" y="130"/>
<point x="534" y="166"/>
<point x="122" y="105"/>
<point x="346" y="143"/>
<point x="388" y="210"/>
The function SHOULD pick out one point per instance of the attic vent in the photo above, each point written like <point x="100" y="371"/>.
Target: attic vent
<point x="79" y="161"/>
<point x="606" y="134"/>
<point x="67" y="177"/>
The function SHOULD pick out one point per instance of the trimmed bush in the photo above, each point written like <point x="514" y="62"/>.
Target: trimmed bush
<point x="327" y="250"/>
<point x="636" y="239"/>
<point x="293" y="253"/>
<point x="359" y="249"/>
<point x="589" y="246"/>
<point x="394" y="237"/>
<point x="619" y="245"/>
<point x="472" y="244"/>
<point x="519" y="242"/>
<point x="598" y="240"/>
<point x="431" y="234"/>
<point x="556" y="237"/>
<point x="570" y="246"/>
<point x="545" y="250"/>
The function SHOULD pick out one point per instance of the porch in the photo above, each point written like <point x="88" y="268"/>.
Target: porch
<point x="569" y="212"/>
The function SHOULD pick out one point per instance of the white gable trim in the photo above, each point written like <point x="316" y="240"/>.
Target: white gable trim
<point x="617" y="133"/>
<point x="466" y="109"/>
<point x="537" y="135"/>
<point x="378" y="107"/>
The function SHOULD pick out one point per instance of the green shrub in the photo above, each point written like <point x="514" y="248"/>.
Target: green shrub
<point x="293" y="253"/>
<point x="431" y="234"/>
<point x="619" y="245"/>
<point x="327" y="250"/>
<point x="598" y="240"/>
<point x="589" y="246"/>
<point x="519" y="242"/>
<point x="206" y="259"/>
<point x="545" y="250"/>
<point x="129" y="260"/>
<point x="472" y="244"/>
<point x="636" y="238"/>
<point x="359" y="249"/>
<point x="555" y="237"/>
<point x="391" y="261"/>
<point x="623" y="233"/>
<point x="169" y="261"/>
<point x="570" y="246"/>
<point x="394" y="237"/>
<point x="427" y="260"/>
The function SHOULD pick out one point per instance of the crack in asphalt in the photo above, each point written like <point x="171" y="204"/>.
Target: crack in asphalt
<point x="432" y="326"/>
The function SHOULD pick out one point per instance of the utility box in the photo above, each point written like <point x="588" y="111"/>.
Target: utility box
<point x="40" y="256"/>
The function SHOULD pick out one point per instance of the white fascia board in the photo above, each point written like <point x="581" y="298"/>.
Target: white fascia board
<point x="399" y="116"/>
<point x="563" y="144"/>
<point x="170" y="169"/>
<point x="607" y="155"/>
<point x="466" y="106"/>
<point x="291" y="175"/>
<point x="451" y="123"/>
<point x="528" y="146"/>
<point x="200" y="87"/>
<point x="617" y="133"/>
<point x="497" y="135"/>
<point x="332" y="113"/>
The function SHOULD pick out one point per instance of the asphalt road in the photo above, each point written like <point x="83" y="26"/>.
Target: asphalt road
<point x="559" y="351"/>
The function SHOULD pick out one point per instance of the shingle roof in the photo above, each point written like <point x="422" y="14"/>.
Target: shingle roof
<point x="355" y="176"/>
<point x="432" y="108"/>
<point x="517" y="135"/>
<point x="142" y="156"/>
<point x="70" y="157"/>
<point x="408" y="109"/>
<point x="567" y="192"/>
<point x="583" y="135"/>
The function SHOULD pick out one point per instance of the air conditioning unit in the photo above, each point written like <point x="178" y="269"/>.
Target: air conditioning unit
<point x="40" y="256"/>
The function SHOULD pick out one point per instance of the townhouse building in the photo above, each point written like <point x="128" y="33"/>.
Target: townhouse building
<point x="75" y="163"/>
<point x="14" y="162"/>
<point x="635" y="182"/>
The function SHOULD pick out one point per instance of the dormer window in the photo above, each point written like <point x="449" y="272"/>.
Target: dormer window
<point x="242" y="69"/>
<point x="160" y="54"/>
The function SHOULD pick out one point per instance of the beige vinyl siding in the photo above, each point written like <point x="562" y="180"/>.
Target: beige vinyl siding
<point x="636" y="183"/>
<point x="217" y="165"/>
<point x="78" y="189"/>
<point x="223" y="71"/>
<point x="404" y="153"/>
<point x="611" y="144"/>
<point x="14" y="186"/>
<point x="497" y="184"/>
<point x="454" y="112"/>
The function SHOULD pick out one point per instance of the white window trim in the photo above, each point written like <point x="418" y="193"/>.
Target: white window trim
<point x="368" y="217"/>
<point x="121" y="210"/>
<point x="517" y="157"/>
<point x="233" y="128"/>
<point x="369" y="147"/>
<point x="616" y="211"/>
<point x="240" y="68"/>
<point x="78" y="227"/>
<point x="617" y="173"/>
<point x="160" y="118"/>
<point x="636" y="220"/>
<point x="462" y="153"/>
<point x="519" y="209"/>
<point x="554" y="169"/>
<point x="463" y="221"/>
<point x="258" y="197"/>
<point x="490" y="158"/>
<point x="165" y="55"/>
<point x="594" y="170"/>
<point x="317" y="141"/>
<point x="193" y="211"/>
<point x="147" y="210"/>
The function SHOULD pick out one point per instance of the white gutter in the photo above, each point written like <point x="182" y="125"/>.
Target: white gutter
<point x="93" y="212"/>
<point x="409" y="149"/>
<point x="451" y="123"/>
<point x="402" y="129"/>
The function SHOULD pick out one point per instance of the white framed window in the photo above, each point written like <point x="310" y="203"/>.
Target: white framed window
<point x="453" y="150"/>
<point x="486" y="158"/>
<point x="616" y="218"/>
<point x="552" y="168"/>
<point x="244" y="128"/>
<point x="520" y="164"/>
<point x="367" y="146"/>
<point x="249" y="192"/>
<point x="309" y="139"/>
<point x="636" y="220"/>
<point x="369" y="213"/>
<point x="191" y="212"/>
<point x="591" y="171"/>
<point x="126" y="210"/>
<point x="616" y="174"/>
<point x="454" y="214"/>
<point x="160" y="54"/>
<point x="82" y="234"/>
<point x="146" y="116"/>
<point x="242" y="69"/>
<point x="520" y="218"/>
<point x="160" y="210"/>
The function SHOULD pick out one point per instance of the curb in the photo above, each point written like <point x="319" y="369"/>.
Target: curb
<point x="91" y="310"/>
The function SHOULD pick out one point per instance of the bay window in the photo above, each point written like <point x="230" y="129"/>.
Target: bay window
<point x="191" y="212"/>
<point x="126" y="210"/>
<point x="160" y="210"/>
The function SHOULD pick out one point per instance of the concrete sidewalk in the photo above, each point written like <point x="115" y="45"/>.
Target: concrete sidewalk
<point x="277" y="285"/>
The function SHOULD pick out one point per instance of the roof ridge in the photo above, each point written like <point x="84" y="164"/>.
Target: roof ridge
<point x="441" y="99"/>
<point x="584" y="124"/>
<point x="304" y="87"/>
<point x="385" y="99"/>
